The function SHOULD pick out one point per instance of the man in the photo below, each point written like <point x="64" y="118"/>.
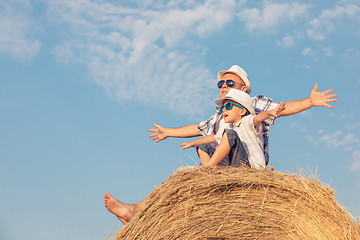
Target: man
<point x="236" y="78"/>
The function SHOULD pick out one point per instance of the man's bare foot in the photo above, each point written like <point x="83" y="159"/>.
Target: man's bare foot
<point x="123" y="211"/>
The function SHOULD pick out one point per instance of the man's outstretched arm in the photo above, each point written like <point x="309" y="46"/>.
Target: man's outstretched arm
<point x="160" y="133"/>
<point x="318" y="99"/>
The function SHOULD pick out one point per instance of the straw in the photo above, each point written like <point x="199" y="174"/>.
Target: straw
<point x="241" y="203"/>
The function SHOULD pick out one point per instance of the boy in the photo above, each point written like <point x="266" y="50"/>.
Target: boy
<point x="241" y="145"/>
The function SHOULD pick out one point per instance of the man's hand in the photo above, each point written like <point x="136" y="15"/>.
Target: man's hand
<point x="186" y="145"/>
<point x="159" y="133"/>
<point x="320" y="99"/>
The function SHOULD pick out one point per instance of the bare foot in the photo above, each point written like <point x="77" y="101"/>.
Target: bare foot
<point x="123" y="211"/>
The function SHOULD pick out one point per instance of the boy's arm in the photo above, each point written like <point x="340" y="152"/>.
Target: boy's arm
<point x="161" y="133"/>
<point x="276" y="112"/>
<point x="206" y="139"/>
<point x="317" y="99"/>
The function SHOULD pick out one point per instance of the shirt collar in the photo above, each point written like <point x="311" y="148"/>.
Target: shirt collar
<point x="237" y="124"/>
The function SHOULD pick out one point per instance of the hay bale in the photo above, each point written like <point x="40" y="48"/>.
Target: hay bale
<point x="241" y="203"/>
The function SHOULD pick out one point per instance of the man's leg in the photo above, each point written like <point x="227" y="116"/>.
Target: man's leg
<point x="123" y="211"/>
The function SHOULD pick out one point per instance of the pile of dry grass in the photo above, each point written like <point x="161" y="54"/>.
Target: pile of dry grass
<point x="239" y="203"/>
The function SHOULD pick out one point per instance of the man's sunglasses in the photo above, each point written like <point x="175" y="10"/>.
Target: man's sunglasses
<point x="230" y="83"/>
<point x="229" y="105"/>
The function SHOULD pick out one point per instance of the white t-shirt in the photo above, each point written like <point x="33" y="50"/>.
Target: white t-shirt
<point x="251" y="138"/>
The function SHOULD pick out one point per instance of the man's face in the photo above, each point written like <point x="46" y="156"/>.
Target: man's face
<point x="239" y="84"/>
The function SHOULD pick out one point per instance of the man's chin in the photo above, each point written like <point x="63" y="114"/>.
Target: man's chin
<point x="223" y="94"/>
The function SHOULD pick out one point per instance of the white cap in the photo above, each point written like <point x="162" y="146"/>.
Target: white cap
<point x="240" y="97"/>
<point x="238" y="71"/>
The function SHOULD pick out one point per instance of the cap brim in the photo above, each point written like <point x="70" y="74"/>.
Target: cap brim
<point x="221" y="101"/>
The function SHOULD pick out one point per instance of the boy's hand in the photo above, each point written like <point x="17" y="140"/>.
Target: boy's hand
<point x="186" y="145"/>
<point x="158" y="134"/>
<point x="277" y="111"/>
<point x="321" y="98"/>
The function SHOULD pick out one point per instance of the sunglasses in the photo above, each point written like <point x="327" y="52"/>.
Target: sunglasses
<point x="230" y="83"/>
<point x="229" y="105"/>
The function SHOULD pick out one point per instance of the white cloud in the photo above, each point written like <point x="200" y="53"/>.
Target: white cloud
<point x="328" y="51"/>
<point x="305" y="66"/>
<point x="272" y="15"/>
<point x="329" y="19"/>
<point x="338" y="139"/>
<point x="332" y="140"/>
<point x="286" y="42"/>
<point x="356" y="124"/>
<point x="63" y="53"/>
<point x="15" y="25"/>
<point x="307" y="51"/>
<point x="346" y="141"/>
<point x="137" y="53"/>
<point x="355" y="166"/>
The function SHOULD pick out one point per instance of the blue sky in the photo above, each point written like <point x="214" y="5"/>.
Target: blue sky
<point x="82" y="81"/>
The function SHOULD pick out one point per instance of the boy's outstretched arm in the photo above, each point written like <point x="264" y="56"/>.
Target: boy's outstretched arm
<point x="318" y="99"/>
<point x="206" y="139"/>
<point x="161" y="133"/>
<point x="276" y="112"/>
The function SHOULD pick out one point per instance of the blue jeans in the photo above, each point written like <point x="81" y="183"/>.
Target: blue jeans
<point x="237" y="155"/>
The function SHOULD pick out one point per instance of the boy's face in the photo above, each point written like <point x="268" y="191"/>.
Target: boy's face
<point x="234" y="115"/>
<point x="239" y="84"/>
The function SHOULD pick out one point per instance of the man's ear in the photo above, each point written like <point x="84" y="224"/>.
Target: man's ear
<point x="244" y="88"/>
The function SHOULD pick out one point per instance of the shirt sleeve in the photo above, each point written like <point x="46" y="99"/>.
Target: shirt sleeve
<point x="211" y="125"/>
<point x="219" y="136"/>
<point x="249" y="122"/>
<point x="204" y="126"/>
<point x="221" y="130"/>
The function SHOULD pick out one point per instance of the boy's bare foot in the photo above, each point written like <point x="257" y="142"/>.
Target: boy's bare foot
<point x="123" y="211"/>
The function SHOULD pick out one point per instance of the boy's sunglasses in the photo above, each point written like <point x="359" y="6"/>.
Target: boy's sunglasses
<point x="229" y="105"/>
<point x="230" y="83"/>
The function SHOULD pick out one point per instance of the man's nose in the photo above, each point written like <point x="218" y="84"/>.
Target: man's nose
<point x="224" y="85"/>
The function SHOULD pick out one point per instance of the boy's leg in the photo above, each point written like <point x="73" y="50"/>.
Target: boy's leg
<point x="204" y="157"/>
<point x="237" y="155"/>
<point x="205" y="151"/>
<point x="220" y="157"/>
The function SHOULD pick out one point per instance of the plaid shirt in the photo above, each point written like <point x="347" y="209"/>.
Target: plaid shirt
<point x="260" y="104"/>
